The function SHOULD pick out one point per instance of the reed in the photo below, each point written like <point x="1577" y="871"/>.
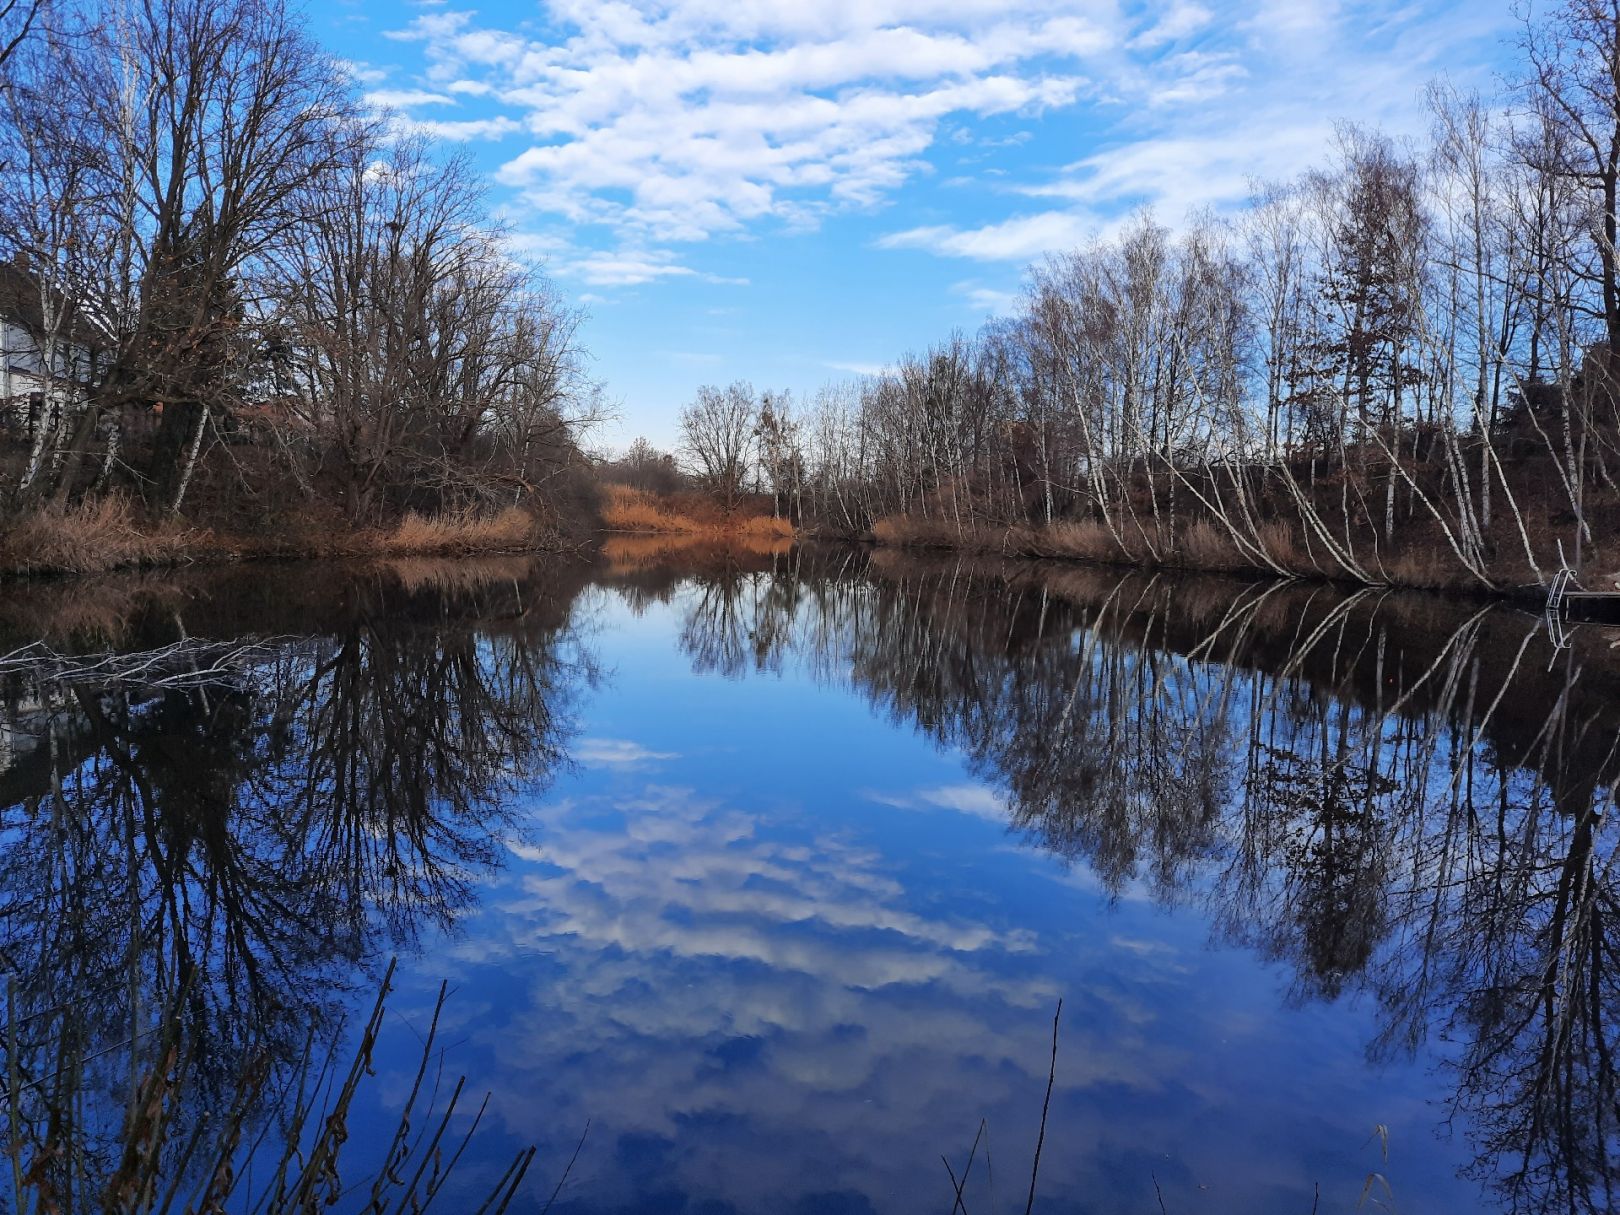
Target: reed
<point x="465" y="532"/>
<point x="92" y="538"/>
<point x="166" y="1162"/>
<point x="635" y="511"/>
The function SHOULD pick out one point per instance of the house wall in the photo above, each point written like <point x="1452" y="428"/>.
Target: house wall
<point x="22" y="366"/>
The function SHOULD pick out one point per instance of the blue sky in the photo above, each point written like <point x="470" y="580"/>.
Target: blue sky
<point x="792" y="191"/>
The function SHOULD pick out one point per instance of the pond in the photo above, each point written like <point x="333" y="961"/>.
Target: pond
<point x="755" y="882"/>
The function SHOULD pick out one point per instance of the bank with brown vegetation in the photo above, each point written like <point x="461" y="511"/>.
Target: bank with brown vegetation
<point x="1398" y="365"/>
<point x="1286" y="543"/>
<point x="245" y="314"/>
<point x="692" y="514"/>
<point x="106" y="534"/>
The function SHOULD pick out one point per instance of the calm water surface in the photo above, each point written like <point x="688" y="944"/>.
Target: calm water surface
<point x="772" y="871"/>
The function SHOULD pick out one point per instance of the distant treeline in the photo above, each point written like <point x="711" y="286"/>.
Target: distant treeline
<point x="230" y="287"/>
<point x="1400" y="366"/>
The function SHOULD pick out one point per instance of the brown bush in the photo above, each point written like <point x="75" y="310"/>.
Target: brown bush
<point x="1282" y="545"/>
<point x="107" y="534"/>
<point x="916" y="531"/>
<point x="419" y="535"/>
<point x="1204" y="546"/>
<point x="1085" y="540"/>
<point x="632" y="510"/>
<point x="91" y="538"/>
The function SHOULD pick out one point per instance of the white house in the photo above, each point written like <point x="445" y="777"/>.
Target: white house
<point x="31" y="384"/>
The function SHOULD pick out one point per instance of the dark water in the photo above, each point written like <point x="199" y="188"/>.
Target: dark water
<point x="771" y="871"/>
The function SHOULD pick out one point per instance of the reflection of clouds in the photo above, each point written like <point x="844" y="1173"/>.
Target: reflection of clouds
<point x="745" y="898"/>
<point x="760" y="1008"/>
<point x="752" y="1006"/>
<point x="619" y="752"/>
<point x="974" y="800"/>
<point x="967" y="799"/>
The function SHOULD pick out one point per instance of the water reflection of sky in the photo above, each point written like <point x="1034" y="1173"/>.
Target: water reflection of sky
<point x="783" y="954"/>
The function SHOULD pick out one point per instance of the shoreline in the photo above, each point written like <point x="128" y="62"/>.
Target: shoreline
<point x="112" y="542"/>
<point x="1528" y="594"/>
<point x="105" y="538"/>
<point x="1202" y="550"/>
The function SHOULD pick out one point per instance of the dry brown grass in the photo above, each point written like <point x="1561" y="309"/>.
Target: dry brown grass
<point x="1203" y="545"/>
<point x="910" y="531"/>
<point x="633" y="510"/>
<point x="92" y="538"/>
<point x="1282" y="545"/>
<point x="427" y="535"/>
<point x="1427" y="571"/>
<point x="1083" y="540"/>
<point x="914" y="531"/>
<point x="107" y="534"/>
<point x="1206" y="547"/>
<point x="637" y="512"/>
<point x="1086" y="540"/>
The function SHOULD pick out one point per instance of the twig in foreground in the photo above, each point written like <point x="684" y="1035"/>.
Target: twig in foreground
<point x="1040" y="1139"/>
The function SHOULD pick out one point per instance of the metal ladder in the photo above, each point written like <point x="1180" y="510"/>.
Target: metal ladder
<point x="1559" y="589"/>
<point x="1557" y="607"/>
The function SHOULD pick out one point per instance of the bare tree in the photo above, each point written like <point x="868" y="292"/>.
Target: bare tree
<point x="17" y="19"/>
<point x="194" y="184"/>
<point x="1573" y="63"/>
<point x="719" y="435"/>
<point x="781" y="459"/>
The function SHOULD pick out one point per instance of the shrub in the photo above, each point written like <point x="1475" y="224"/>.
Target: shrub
<point x="91" y="538"/>
<point x="632" y="510"/>
<point x="512" y="528"/>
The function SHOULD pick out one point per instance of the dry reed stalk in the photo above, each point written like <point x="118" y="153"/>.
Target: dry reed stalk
<point x="637" y="512"/>
<point x="425" y="535"/>
<point x="92" y="538"/>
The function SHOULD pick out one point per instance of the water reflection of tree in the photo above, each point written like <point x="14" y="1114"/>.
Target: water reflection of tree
<point x="1381" y="793"/>
<point x="236" y="854"/>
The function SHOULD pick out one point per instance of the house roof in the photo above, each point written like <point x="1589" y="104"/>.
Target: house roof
<point x="21" y="304"/>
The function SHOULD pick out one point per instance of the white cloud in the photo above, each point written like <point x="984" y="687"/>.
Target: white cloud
<point x="1018" y="239"/>
<point x="623" y="267"/>
<point x="363" y="73"/>
<point x="627" y="269"/>
<point x="857" y="368"/>
<point x="470" y="128"/>
<point x="986" y="299"/>
<point x="1255" y="98"/>
<point x="676" y="122"/>
<point x="1182" y="20"/>
<point x="868" y="1019"/>
<point x="617" y="752"/>
<point x="1195" y="77"/>
<point x="973" y="800"/>
<point x="399" y="99"/>
<point x="652" y="125"/>
<point x="899" y="801"/>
